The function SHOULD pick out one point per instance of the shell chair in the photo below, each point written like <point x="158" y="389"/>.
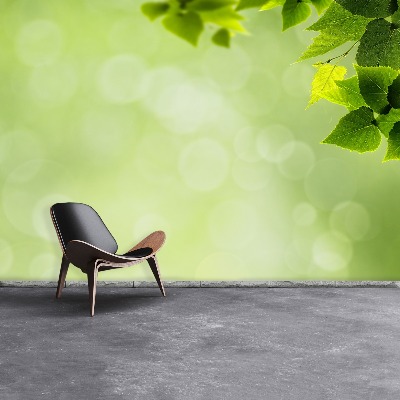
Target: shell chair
<point x="87" y="243"/>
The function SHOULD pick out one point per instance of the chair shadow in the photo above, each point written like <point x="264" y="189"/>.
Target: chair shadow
<point x="75" y="301"/>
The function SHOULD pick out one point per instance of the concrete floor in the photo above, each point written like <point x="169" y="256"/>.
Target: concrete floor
<point x="314" y="343"/>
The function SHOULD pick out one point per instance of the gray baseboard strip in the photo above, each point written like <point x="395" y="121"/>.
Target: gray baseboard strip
<point x="181" y="284"/>
<point x="298" y="284"/>
<point x="125" y="284"/>
<point x="28" y="284"/>
<point x="211" y="284"/>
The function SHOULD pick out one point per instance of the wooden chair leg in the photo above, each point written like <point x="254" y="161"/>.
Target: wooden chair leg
<point x="154" y="268"/>
<point x="92" y="281"/>
<point x="62" y="276"/>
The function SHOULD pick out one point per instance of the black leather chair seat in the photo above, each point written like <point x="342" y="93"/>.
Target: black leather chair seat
<point x="139" y="253"/>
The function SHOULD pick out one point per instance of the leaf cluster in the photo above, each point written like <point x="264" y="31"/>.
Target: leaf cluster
<point x="293" y="11"/>
<point x="372" y="95"/>
<point x="188" y="18"/>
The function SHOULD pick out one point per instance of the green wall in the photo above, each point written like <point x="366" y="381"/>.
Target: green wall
<point x="214" y="146"/>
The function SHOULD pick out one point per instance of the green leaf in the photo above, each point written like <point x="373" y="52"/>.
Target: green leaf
<point x="321" y="5"/>
<point x="208" y="5"/>
<point x="324" y="80"/>
<point x="269" y="4"/>
<point x="387" y="121"/>
<point x="225" y="17"/>
<point x="154" y="10"/>
<point x="374" y="83"/>
<point x="380" y="45"/>
<point x="394" y="93"/>
<point x="222" y="38"/>
<point x="324" y="42"/>
<point x="294" y="12"/>
<point x="347" y="93"/>
<point x="393" y="149"/>
<point x="370" y="8"/>
<point x="243" y="4"/>
<point x="187" y="26"/>
<point x="352" y="89"/>
<point x="396" y="17"/>
<point x="336" y="18"/>
<point x="260" y="4"/>
<point x="356" y="131"/>
<point x="337" y="26"/>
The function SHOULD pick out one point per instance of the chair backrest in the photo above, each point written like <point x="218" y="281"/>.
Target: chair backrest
<point x="77" y="221"/>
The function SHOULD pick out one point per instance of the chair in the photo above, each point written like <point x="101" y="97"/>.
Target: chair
<point x="87" y="243"/>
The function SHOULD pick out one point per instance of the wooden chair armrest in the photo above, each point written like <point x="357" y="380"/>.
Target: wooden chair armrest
<point x="155" y="240"/>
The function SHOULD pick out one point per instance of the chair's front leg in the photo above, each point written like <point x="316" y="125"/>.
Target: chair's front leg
<point x="92" y="281"/>
<point x="62" y="276"/>
<point x="154" y="268"/>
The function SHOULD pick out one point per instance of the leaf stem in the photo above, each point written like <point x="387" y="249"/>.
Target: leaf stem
<point x="342" y="55"/>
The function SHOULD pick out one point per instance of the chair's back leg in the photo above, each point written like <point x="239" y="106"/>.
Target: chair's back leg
<point x="62" y="276"/>
<point x="154" y="268"/>
<point x="92" y="282"/>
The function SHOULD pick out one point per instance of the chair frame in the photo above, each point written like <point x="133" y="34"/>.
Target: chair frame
<point x="91" y="260"/>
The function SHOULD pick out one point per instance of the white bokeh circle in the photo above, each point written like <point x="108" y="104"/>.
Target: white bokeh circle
<point x="39" y="42"/>
<point x="104" y="131"/>
<point x="352" y="219"/>
<point x="26" y="189"/>
<point x="231" y="78"/>
<point x="17" y="147"/>
<point x="272" y="140"/>
<point x="121" y="78"/>
<point x="157" y="79"/>
<point x="296" y="79"/>
<point x="203" y="164"/>
<point x="53" y="84"/>
<point x="245" y="144"/>
<point x="304" y="214"/>
<point x="330" y="182"/>
<point x="185" y="106"/>
<point x="260" y="95"/>
<point x="297" y="160"/>
<point x="332" y="251"/>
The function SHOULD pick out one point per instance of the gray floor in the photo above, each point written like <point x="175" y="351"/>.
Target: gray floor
<point x="240" y="343"/>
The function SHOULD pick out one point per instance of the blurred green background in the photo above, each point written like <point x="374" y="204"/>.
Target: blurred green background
<point x="212" y="145"/>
